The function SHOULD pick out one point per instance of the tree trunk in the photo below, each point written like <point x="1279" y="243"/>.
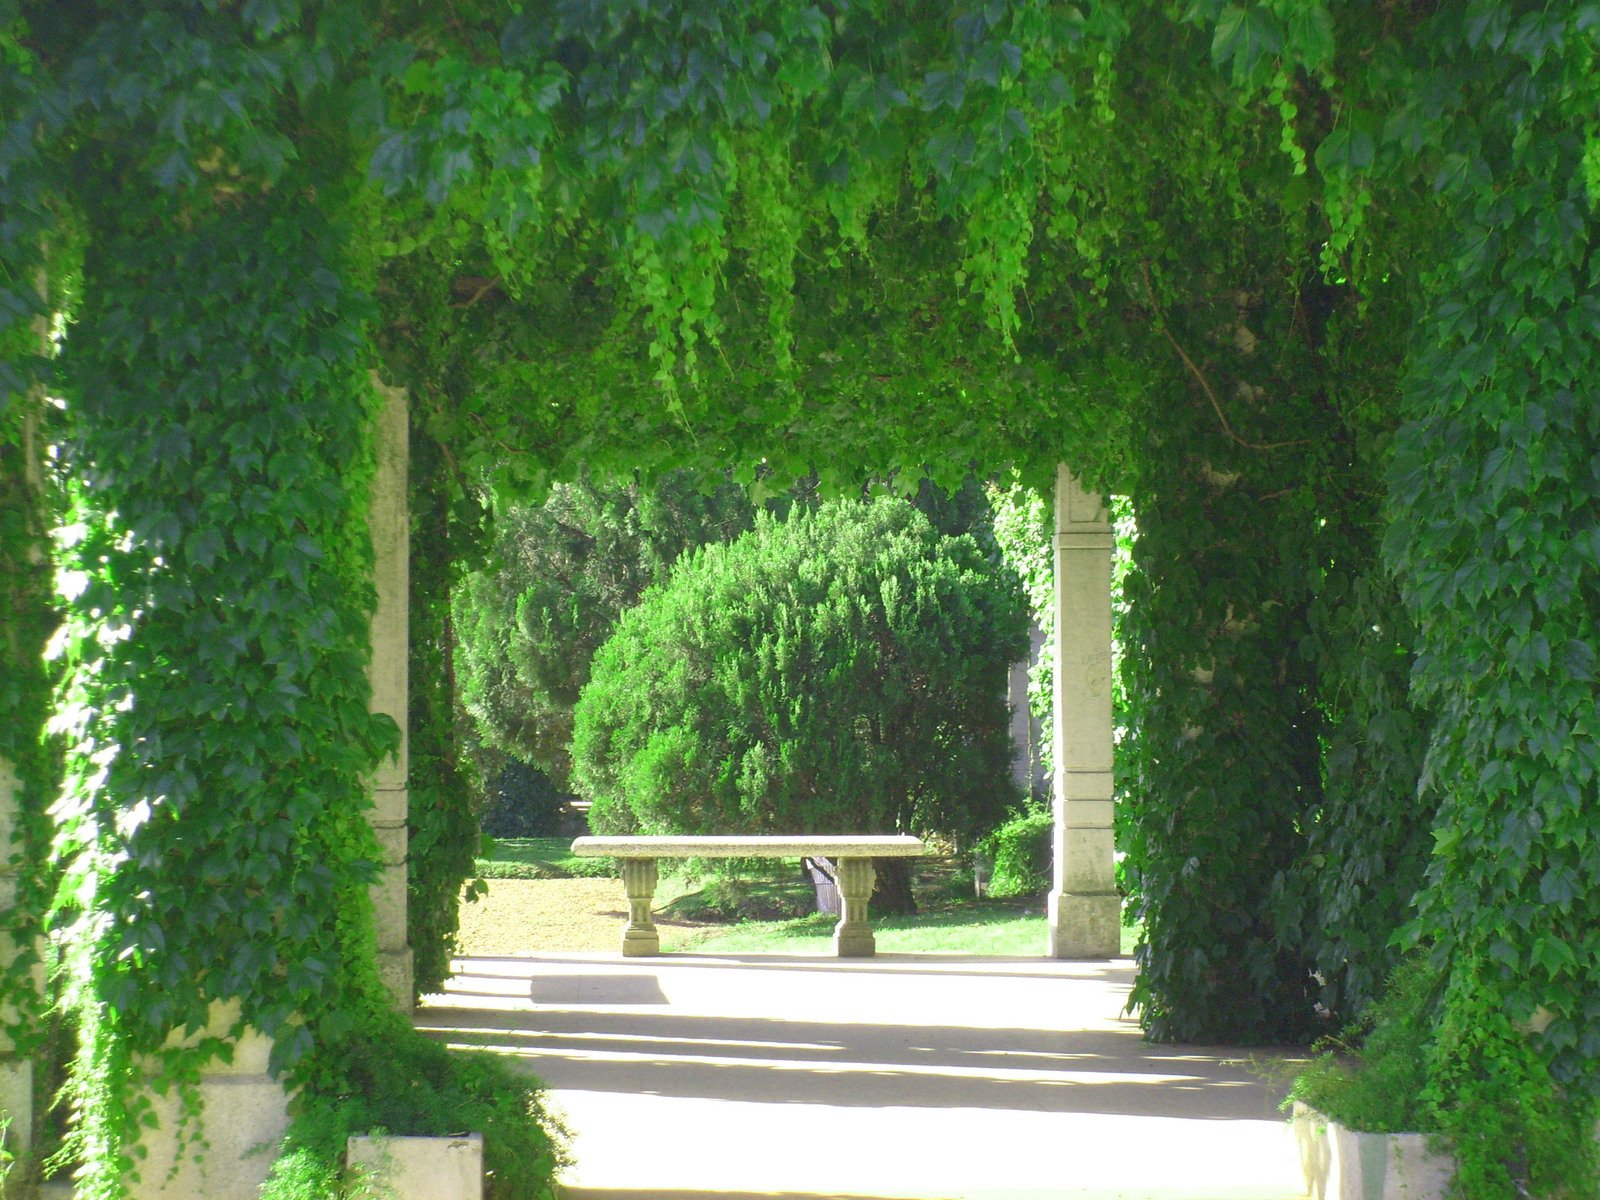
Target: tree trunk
<point x="891" y="893"/>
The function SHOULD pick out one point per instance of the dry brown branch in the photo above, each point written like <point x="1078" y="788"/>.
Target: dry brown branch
<point x="1200" y="377"/>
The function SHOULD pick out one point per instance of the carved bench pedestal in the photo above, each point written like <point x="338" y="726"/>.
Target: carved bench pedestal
<point x="639" y="939"/>
<point x="852" y="936"/>
<point x="637" y="855"/>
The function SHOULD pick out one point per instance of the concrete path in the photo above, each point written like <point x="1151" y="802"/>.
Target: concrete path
<point x="904" y="1077"/>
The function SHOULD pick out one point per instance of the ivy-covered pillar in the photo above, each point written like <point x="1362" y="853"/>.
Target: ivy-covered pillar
<point x="213" y="833"/>
<point x="25" y="620"/>
<point x="1085" y="909"/>
<point x="16" y="1069"/>
<point x="29" y="768"/>
<point x="1221" y="763"/>
<point x="1494" y="494"/>
<point x="389" y="519"/>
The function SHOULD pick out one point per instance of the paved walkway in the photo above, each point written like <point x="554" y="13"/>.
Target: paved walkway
<point x="905" y="1077"/>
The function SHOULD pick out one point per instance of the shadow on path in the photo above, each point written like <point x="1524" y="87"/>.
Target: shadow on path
<point x="653" y="1048"/>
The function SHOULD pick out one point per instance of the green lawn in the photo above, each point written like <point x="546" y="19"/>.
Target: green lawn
<point x="538" y="858"/>
<point x="1006" y="928"/>
<point x="754" y="909"/>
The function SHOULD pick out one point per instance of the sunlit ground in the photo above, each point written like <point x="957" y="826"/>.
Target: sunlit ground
<point x="908" y="1077"/>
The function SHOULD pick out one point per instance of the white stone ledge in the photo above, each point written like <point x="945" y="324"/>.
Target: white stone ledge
<point x="1344" y="1164"/>
<point x="1083" y="539"/>
<point x="864" y="846"/>
<point x="420" y="1168"/>
<point x="1087" y="785"/>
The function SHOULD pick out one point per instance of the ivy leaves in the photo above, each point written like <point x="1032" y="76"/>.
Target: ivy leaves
<point x="1493" y="503"/>
<point x="217" y="687"/>
<point x="1245" y="38"/>
<point x="855" y="238"/>
<point x="651" y="116"/>
<point x="205" y="86"/>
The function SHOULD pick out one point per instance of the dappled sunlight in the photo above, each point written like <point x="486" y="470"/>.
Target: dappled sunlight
<point x="871" y="1063"/>
<point x="944" y="1067"/>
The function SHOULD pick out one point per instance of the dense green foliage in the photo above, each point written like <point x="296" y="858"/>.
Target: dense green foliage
<point x="1372" y="1076"/>
<point x="1495" y="537"/>
<point x="1369" y="832"/>
<point x="1223" y="750"/>
<point x="410" y="1086"/>
<point x="1296" y="277"/>
<point x="442" y="821"/>
<point x="519" y="801"/>
<point x="561" y="573"/>
<point x="1019" y="854"/>
<point x="839" y="671"/>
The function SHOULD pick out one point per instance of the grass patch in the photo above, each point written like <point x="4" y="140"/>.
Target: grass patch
<point x="766" y="905"/>
<point x="1011" y="927"/>
<point x="1004" y="927"/>
<point x="539" y="858"/>
<point x="729" y="900"/>
<point x="771" y="891"/>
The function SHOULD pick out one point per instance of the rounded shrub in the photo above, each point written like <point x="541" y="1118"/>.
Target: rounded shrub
<point x="840" y="671"/>
<point x="1020" y="851"/>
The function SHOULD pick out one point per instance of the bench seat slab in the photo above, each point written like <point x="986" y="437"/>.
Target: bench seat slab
<point x="865" y="846"/>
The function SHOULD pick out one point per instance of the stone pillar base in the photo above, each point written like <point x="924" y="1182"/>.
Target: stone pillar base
<point x="854" y="943"/>
<point x="16" y="1102"/>
<point x="640" y="939"/>
<point x="640" y="943"/>
<point x="1085" y="925"/>
<point x="244" y="1115"/>
<point x="852" y="936"/>
<point x="420" y="1168"/>
<point x="243" y="1121"/>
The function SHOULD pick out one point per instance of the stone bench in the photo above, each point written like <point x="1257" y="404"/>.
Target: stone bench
<point x="852" y="937"/>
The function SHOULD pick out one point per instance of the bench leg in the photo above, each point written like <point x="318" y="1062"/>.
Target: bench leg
<point x="852" y="936"/>
<point x="639" y="939"/>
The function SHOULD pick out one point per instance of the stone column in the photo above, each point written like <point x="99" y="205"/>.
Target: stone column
<point x="391" y="641"/>
<point x="1026" y="729"/>
<point x="852" y="936"/>
<point x="22" y="485"/>
<point x="1085" y="910"/>
<point x="1021" y="725"/>
<point x="640" y="939"/>
<point x="16" y="1071"/>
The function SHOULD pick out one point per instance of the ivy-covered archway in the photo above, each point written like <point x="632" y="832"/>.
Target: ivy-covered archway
<point x="1310" y="283"/>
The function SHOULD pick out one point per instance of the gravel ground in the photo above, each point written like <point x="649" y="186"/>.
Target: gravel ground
<point x="543" y="916"/>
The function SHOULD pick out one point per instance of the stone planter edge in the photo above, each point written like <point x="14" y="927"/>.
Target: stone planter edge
<point x="420" y="1168"/>
<point x="1339" y="1163"/>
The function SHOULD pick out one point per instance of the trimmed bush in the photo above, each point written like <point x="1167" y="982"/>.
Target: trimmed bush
<point x="1020" y="851"/>
<point x="841" y="671"/>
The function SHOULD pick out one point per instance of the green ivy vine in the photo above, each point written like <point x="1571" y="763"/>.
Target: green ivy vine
<point x="443" y="826"/>
<point x="215" y="704"/>
<point x="1495" y="539"/>
<point x="29" y="759"/>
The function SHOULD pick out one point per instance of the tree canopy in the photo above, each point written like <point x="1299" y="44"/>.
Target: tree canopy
<point x="563" y="572"/>
<point x="841" y="671"/>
